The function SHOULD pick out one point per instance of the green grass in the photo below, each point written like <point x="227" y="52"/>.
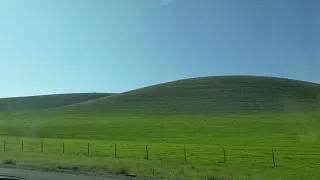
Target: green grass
<point x="248" y="116"/>
<point x="248" y="141"/>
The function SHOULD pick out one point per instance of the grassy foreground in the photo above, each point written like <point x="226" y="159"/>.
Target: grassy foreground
<point x="247" y="139"/>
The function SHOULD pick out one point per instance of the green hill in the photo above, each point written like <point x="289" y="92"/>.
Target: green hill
<point x="32" y="103"/>
<point x="204" y="95"/>
<point x="220" y="94"/>
<point x="179" y="121"/>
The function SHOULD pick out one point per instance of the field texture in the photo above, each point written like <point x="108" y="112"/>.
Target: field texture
<point x="191" y="129"/>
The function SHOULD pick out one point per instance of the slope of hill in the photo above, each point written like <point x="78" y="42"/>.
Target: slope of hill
<point x="220" y="94"/>
<point x="180" y="115"/>
<point x="204" y="95"/>
<point x="173" y="107"/>
<point x="31" y="103"/>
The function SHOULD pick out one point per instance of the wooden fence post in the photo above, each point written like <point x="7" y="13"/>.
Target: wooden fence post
<point x="274" y="163"/>
<point x="88" y="149"/>
<point x="224" y="155"/>
<point x="147" y="153"/>
<point x="185" y="154"/>
<point x="115" y="150"/>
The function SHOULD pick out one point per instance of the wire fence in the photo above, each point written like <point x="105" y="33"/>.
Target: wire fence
<point x="271" y="157"/>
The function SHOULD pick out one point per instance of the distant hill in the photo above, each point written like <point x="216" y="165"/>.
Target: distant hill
<point x="214" y="95"/>
<point x="33" y="103"/>
<point x="204" y="95"/>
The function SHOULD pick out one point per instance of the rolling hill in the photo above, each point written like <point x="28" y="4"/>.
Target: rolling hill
<point x="220" y="94"/>
<point x="263" y="113"/>
<point x="204" y="95"/>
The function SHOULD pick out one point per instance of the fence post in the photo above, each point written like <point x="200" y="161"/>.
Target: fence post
<point x="115" y="150"/>
<point x="4" y="145"/>
<point x="88" y="149"/>
<point x="274" y="163"/>
<point x="224" y="155"/>
<point x="21" y="145"/>
<point x="41" y="147"/>
<point x="185" y="154"/>
<point x="147" y="153"/>
<point x="63" y="148"/>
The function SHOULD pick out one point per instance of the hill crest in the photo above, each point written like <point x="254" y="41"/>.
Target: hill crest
<point x="213" y="94"/>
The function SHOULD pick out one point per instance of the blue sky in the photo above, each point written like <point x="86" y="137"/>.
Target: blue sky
<point x="64" y="46"/>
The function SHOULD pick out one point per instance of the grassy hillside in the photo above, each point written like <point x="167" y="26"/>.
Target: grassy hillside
<point x="31" y="103"/>
<point x="212" y="95"/>
<point x="209" y="95"/>
<point x="198" y="98"/>
<point x="247" y="115"/>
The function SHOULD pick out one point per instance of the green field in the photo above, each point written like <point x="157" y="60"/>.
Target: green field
<point x="248" y="116"/>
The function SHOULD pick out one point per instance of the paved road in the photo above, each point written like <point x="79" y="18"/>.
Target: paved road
<point x="38" y="175"/>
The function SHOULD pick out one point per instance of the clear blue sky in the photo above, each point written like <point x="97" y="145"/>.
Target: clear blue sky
<point x="64" y="46"/>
